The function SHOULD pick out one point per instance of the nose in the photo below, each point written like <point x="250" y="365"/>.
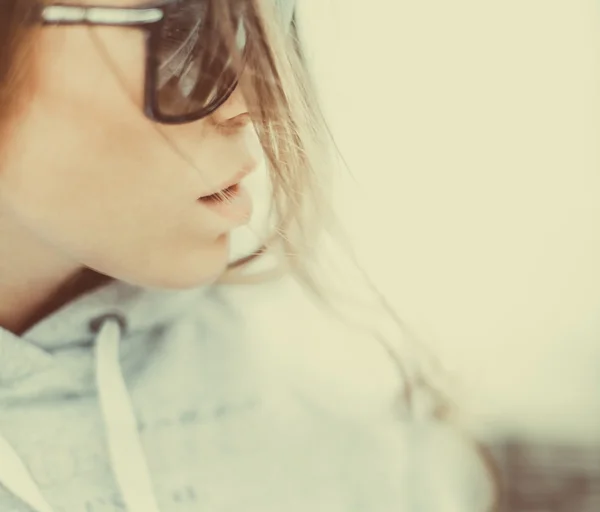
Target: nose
<point x="233" y="112"/>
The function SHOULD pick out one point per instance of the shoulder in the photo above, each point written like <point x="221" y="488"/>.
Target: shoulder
<point x="336" y="374"/>
<point x="324" y="359"/>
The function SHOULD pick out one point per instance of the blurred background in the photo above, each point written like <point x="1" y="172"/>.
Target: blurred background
<point x="471" y="130"/>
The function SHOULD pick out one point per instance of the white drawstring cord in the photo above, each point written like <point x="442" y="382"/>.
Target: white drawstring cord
<point x="127" y="457"/>
<point x="17" y="479"/>
<point x="124" y="445"/>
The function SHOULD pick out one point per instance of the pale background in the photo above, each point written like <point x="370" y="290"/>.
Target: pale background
<point x="472" y="130"/>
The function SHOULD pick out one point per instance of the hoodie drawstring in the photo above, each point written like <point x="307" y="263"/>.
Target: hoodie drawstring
<point x="127" y="457"/>
<point x="17" y="479"/>
<point x="125" y="448"/>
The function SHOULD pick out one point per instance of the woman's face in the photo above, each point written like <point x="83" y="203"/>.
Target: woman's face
<point x="86" y="175"/>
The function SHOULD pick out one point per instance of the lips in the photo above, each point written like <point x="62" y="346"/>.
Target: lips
<point x="234" y="206"/>
<point x="227" y="187"/>
<point x="224" y="194"/>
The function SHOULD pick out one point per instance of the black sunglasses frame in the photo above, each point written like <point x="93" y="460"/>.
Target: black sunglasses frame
<point x="149" y="18"/>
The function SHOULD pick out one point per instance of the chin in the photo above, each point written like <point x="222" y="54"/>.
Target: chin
<point x="186" y="281"/>
<point x="186" y="270"/>
<point x="200" y="269"/>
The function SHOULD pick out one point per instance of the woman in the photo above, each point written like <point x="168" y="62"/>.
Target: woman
<point x="131" y="378"/>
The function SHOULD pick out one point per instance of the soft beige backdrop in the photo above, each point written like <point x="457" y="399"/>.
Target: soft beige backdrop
<point x="472" y="129"/>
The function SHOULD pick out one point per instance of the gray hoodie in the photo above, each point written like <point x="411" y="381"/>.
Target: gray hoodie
<point x="217" y="399"/>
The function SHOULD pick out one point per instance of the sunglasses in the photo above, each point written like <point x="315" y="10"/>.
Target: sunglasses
<point x="190" y="72"/>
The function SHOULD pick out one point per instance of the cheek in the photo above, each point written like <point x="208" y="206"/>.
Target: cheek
<point x="125" y="209"/>
<point x="85" y="154"/>
<point x="97" y="70"/>
<point x="87" y="210"/>
<point x="148" y="238"/>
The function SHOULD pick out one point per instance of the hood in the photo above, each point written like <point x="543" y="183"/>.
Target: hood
<point x="90" y="345"/>
<point x="55" y="359"/>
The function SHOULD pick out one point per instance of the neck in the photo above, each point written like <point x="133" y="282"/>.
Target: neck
<point x="35" y="279"/>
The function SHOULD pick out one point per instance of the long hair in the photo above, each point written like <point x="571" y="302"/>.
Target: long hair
<point x="300" y="155"/>
<point x="15" y="49"/>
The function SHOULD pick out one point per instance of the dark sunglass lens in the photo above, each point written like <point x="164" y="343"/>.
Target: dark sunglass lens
<point x="195" y="65"/>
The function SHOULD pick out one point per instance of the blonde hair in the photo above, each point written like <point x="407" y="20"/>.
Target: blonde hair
<point x="301" y="157"/>
<point x="295" y="141"/>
